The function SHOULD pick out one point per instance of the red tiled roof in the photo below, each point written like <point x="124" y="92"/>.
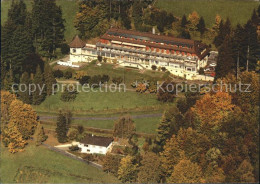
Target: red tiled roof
<point x="150" y="40"/>
<point x="77" y="43"/>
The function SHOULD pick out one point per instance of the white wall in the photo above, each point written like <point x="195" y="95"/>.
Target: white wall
<point x="94" y="149"/>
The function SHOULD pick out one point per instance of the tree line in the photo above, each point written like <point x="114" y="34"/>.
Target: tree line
<point x="238" y="48"/>
<point x="203" y="139"/>
<point x="19" y="124"/>
<point x="27" y="39"/>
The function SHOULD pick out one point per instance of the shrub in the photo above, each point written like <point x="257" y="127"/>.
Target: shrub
<point x="105" y="60"/>
<point x="73" y="135"/>
<point x="167" y="92"/>
<point x="95" y="81"/>
<point x="65" y="49"/>
<point x="152" y="88"/>
<point x="68" y="74"/>
<point x="154" y="67"/>
<point x="105" y="78"/>
<point x="79" y="74"/>
<point x="88" y="157"/>
<point x="84" y="80"/>
<point x="73" y="148"/>
<point x="80" y="129"/>
<point x="99" y="58"/>
<point x="141" y="88"/>
<point x="69" y="94"/>
<point x="163" y="69"/>
<point x="117" y="80"/>
<point x="58" y="73"/>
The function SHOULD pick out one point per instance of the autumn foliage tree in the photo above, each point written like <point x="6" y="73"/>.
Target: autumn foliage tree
<point x="127" y="172"/>
<point x="186" y="172"/>
<point x="20" y="122"/>
<point x="150" y="170"/>
<point x="111" y="164"/>
<point x="124" y="127"/>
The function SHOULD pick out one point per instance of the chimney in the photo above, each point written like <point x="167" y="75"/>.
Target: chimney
<point x="153" y="30"/>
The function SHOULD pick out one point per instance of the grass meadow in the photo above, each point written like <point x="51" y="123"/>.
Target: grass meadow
<point x="239" y="11"/>
<point x="69" y="9"/>
<point x="143" y="125"/>
<point x="40" y="165"/>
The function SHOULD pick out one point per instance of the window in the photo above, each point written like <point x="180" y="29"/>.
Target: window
<point x="86" y="145"/>
<point x="88" y="150"/>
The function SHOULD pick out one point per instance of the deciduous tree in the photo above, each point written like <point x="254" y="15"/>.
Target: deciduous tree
<point x="128" y="170"/>
<point x="124" y="127"/>
<point x="150" y="170"/>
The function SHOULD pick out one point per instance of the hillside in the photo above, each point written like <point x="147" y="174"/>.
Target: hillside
<point x="69" y="9"/>
<point x="40" y="165"/>
<point x="239" y="11"/>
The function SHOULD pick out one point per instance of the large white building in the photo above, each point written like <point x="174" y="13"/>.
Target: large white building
<point x="181" y="57"/>
<point x="96" y="144"/>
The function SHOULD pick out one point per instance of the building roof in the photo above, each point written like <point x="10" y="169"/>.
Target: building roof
<point x="97" y="140"/>
<point x="77" y="43"/>
<point x="157" y="41"/>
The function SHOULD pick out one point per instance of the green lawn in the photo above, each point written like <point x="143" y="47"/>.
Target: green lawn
<point x="99" y="101"/>
<point x="143" y="125"/>
<point x="239" y="11"/>
<point x="40" y="165"/>
<point x="69" y="9"/>
<point x="128" y="74"/>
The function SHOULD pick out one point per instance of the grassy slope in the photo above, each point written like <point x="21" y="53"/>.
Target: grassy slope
<point x="130" y="75"/>
<point x="99" y="101"/>
<point x="47" y="167"/>
<point x="239" y="11"/>
<point x="143" y="125"/>
<point x="69" y="9"/>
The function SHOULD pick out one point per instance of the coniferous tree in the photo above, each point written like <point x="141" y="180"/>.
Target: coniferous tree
<point x="40" y="135"/>
<point x="226" y="63"/>
<point x="38" y="95"/>
<point x="224" y="30"/>
<point x="201" y="26"/>
<point x="239" y="46"/>
<point x="48" y="79"/>
<point x="62" y="128"/>
<point x="22" y="47"/>
<point x="252" y="45"/>
<point x="169" y="125"/>
<point x="48" y="33"/>
<point x="137" y="14"/>
<point x="17" y="13"/>
<point x="24" y="94"/>
<point x="184" y="21"/>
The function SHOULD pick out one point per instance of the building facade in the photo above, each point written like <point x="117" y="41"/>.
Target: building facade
<point x="96" y="145"/>
<point x="181" y="57"/>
